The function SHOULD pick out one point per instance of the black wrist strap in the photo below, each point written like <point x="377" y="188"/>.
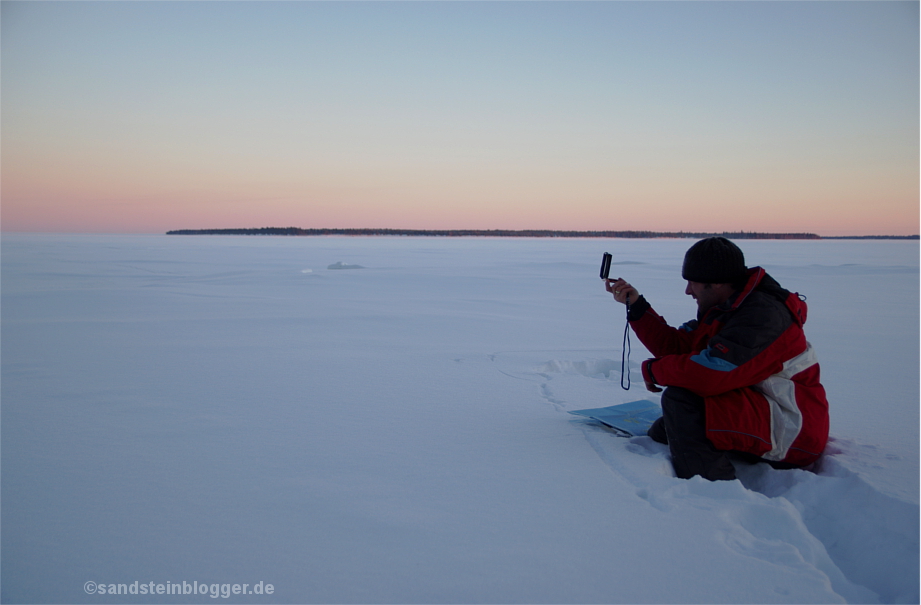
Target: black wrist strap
<point x="625" y="354"/>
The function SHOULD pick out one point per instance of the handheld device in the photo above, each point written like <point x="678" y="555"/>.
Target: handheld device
<point x="605" y="266"/>
<point x="625" y="358"/>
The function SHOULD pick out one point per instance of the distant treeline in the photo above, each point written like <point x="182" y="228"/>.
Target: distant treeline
<point x="871" y="237"/>
<point x="492" y="233"/>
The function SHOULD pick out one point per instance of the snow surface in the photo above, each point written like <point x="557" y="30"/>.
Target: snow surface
<point x="224" y="410"/>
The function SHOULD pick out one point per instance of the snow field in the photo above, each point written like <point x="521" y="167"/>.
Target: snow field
<point x="233" y="409"/>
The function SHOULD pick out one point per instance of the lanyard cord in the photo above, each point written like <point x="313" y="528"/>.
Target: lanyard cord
<point x="625" y="354"/>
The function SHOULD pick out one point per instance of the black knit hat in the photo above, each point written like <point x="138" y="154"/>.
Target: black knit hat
<point x="714" y="260"/>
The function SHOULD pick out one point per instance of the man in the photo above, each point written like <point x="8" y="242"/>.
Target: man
<point x="741" y="377"/>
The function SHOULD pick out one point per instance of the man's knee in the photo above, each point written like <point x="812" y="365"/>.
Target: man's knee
<point x="683" y="410"/>
<point x="684" y="417"/>
<point x="681" y="397"/>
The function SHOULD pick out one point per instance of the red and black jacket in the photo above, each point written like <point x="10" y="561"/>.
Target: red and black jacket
<point x="750" y="360"/>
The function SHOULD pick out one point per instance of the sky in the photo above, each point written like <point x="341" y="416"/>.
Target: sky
<point x="142" y="117"/>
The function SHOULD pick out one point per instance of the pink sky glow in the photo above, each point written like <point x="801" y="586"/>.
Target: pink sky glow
<point x="577" y="116"/>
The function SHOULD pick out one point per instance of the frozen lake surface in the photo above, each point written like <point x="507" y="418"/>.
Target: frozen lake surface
<point x="384" y="420"/>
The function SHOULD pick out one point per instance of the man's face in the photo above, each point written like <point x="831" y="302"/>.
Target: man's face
<point x="707" y="295"/>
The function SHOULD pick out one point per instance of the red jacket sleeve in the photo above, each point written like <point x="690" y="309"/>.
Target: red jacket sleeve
<point x="715" y="358"/>
<point x="659" y="337"/>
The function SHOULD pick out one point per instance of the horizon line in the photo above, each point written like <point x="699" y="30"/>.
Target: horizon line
<point x="385" y="232"/>
<point x="571" y="233"/>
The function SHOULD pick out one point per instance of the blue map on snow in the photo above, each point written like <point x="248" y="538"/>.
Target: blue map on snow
<point x="634" y="417"/>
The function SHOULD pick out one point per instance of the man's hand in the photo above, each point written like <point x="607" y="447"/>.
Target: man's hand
<point x="621" y="290"/>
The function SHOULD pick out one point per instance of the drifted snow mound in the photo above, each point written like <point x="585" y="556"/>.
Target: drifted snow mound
<point x="871" y="536"/>
<point x="341" y="265"/>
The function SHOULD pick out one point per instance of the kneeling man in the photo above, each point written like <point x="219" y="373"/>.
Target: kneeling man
<point x="741" y="377"/>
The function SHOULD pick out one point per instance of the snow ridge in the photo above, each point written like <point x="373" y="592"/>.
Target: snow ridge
<point x="871" y="536"/>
